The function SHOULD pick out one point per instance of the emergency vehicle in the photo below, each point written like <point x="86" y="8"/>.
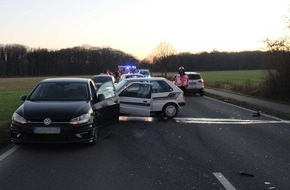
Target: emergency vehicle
<point x="125" y="69"/>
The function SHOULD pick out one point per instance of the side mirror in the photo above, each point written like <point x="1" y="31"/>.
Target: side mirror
<point x="101" y="97"/>
<point x="23" y="97"/>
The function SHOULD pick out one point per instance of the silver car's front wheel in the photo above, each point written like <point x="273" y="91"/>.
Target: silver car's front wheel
<point x="170" y="110"/>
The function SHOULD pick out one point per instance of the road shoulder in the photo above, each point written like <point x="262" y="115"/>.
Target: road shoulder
<point x="259" y="105"/>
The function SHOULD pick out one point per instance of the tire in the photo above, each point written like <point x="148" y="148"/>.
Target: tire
<point x="201" y="93"/>
<point x="95" y="137"/>
<point x="170" y="110"/>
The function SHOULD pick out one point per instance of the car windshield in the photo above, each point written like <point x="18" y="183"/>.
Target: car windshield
<point x="120" y="85"/>
<point x="54" y="91"/>
<point x="193" y="76"/>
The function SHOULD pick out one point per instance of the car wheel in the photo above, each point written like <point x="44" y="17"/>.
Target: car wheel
<point x="95" y="138"/>
<point x="170" y="110"/>
<point x="201" y="93"/>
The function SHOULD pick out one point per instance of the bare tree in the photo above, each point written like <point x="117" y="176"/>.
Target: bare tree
<point x="277" y="80"/>
<point x="161" y="55"/>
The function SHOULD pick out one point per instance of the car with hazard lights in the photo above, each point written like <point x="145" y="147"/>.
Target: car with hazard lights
<point x="65" y="110"/>
<point x="164" y="97"/>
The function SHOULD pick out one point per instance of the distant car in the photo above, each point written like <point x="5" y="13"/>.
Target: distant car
<point x="145" y="72"/>
<point x="64" y="110"/>
<point x="196" y="83"/>
<point x="165" y="97"/>
<point x="130" y="75"/>
<point x="102" y="78"/>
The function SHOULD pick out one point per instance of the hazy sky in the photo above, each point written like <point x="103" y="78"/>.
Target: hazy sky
<point x="138" y="26"/>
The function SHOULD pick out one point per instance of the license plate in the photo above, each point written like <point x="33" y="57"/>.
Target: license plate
<point x="46" y="130"/>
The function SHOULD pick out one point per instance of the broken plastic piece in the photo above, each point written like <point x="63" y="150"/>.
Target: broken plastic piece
<point x="246" y="174"/>
<point x="257" y="114"/>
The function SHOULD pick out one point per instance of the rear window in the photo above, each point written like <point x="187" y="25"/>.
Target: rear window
<point x="101" y="79"/>
<point x="144" y="72"/>
<point x="194" y="76"/>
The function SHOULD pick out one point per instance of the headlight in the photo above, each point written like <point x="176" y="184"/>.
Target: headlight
<point x="18" y="118"/>
<point x="81" y="119"/>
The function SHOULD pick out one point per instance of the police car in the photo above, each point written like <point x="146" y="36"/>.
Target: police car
<point x="149" y="96"/>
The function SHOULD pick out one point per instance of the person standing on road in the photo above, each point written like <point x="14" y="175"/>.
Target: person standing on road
<point x="181" y="80"/>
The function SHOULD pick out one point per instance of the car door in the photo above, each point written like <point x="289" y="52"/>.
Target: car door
<point x="136" y="99"/>
<point x="107" y="106"/>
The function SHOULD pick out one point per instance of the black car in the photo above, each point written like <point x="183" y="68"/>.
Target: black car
<point x="65" y="110"/>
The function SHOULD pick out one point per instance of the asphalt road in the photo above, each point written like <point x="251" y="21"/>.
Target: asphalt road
<point x="210" y="145"/>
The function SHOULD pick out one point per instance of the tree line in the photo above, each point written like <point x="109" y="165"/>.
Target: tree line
<point x="18" y="60"/>
<point x="214" y="61"/>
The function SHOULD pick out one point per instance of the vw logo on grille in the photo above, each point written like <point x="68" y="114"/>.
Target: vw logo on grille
<point x="47" y="121"/>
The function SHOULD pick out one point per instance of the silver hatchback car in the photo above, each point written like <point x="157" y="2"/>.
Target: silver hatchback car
<point x="166" y="98"/>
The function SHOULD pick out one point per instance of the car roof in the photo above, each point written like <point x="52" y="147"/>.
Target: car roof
<point x="134" y="74"/>
<point x="148" y="79"/>
<point x="67" y="79"/>
<point x="190" y="72"/>
<point x="102" y="75"/>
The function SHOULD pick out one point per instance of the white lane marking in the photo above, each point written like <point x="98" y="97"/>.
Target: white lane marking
<point x="7" y="153"/>
<point x="224" y="181"/>
<point x="225" y="121"/>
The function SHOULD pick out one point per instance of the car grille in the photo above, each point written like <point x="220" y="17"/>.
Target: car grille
<point x="47" y="138"/>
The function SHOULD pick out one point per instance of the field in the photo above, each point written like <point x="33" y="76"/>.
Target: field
<point x="12" y="88"/>
<point x="237" y="77"/>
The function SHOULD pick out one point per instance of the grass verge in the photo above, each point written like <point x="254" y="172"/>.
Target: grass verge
<point x="9" y="102"/>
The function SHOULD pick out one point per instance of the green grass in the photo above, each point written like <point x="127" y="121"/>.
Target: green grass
<point x="9" y="102"/>
<point x="256" y="77"/>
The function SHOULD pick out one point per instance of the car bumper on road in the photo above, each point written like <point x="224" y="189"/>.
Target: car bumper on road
<point x="194" y="90"/>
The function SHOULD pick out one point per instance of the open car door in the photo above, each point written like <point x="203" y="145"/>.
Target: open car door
<point x="107" y="108"/>
<point x="136" y="99"/>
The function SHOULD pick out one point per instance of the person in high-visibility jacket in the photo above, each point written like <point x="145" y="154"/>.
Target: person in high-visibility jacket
<point x="181" y="80"/>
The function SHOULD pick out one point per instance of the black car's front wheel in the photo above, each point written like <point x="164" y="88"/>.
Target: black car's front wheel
<point x="95" y="136"/>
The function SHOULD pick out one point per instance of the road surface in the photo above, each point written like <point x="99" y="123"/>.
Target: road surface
<point x="210" y="145"/>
